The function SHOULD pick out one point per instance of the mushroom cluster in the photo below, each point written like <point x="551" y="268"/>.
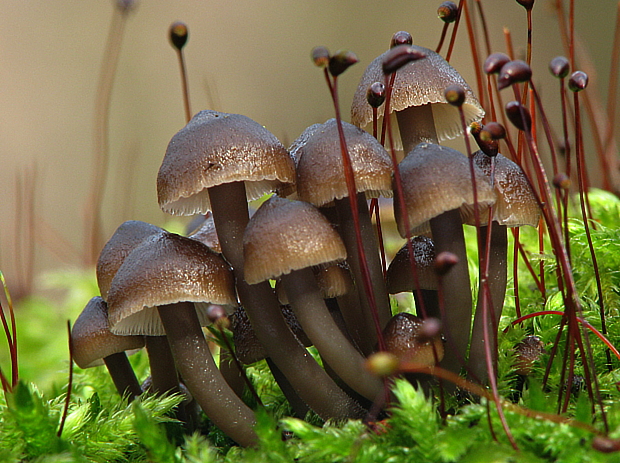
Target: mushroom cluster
<point x="306" y="268"/>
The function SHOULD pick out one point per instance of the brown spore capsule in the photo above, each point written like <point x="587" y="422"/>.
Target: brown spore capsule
<point x="401" y="38"/>
<point x="448" y="12"/>
<point x="578" y="81"/>
<point x="376" y="94"/>
<point x="178" y="34"/>
<point x="559" y="67"/>
<point x="519" y="115"/>
<point x="494" y="63"/>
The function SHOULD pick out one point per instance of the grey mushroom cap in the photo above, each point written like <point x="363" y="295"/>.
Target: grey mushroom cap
<point x="516" y="203"/>
<point x="216" y="148"/>
<point x="125" y="239"/>
<point x="162" y="271"/>
<point x="417" y="83"/>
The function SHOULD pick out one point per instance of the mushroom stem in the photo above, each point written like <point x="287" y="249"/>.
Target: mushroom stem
<point x="448" y="236"/>
<point x="310" y="309"/>
<point x="201" y="375"/>
<point x="163" y="370"/>
<point x="416" y="125"/>
<point x="369" y="240"/>
<point x="309" y="380"/>
<point x="123" y="375"/>
<point x="496" y="274"/>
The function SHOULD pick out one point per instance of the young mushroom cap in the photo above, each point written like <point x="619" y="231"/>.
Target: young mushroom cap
<point x="399" y="277"/>
<point x="320" y="172"/>
<point x="516" y="203"/>
<point x="92" y="339"/>
<point x="216" y="148"/>
<point x="418" y="83"/>
<point x="272" y="249"/>
<point x="167" y="269"/>
<point x="405" y="338"/>
<point x="125" y="239"/>
<point x="437" y="179"/>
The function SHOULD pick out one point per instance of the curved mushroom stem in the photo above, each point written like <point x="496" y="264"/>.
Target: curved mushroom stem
<point x="497" y="288"/>
<point x="309" y="380"/>
<point x="123" y="375"/>
<point x="309" y="307"/>
<point x="416" y="125"/>
<point x="231" y="373"/>
<point x="448" y="236"/>
<point x="163" y="370"/>
<point x="201" y="375"/>
<point x="347" y="232"/>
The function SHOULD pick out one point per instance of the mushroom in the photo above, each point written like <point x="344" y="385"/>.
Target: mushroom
<point x="94" y="344"/>
<point x="246" y="157"/>
<point x="515" y="206"/>
<point x="437" y="188"/>
<point x="285" y="239"/>
<point x="158" y="282"/>
<point x="320" y="180"/>
<point x="399" y="276"/>
<point x="418" y="100"/>
<point x="125" y="239"/>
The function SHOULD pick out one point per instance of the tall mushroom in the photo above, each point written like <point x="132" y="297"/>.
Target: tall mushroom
<point x="159" y="282"/>
<point x="515" y="206"/>
<point x="285" y="239"/>
<point x="437" y="188"/>
<point x="418" y="100"/>
<point x="320" y="181"/>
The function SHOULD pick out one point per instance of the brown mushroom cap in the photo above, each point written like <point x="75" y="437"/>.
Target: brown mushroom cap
<point x="320" y="172"/>
<point x="516" y="204"/>
<point x="216" y="148"/>
<point x="417" y="83"/>
<point x="125" y="239"/>
<point x="207" y="234"/>
<point x="404" y="339"/>
<point x="437" y="179"/>
<point x="92" y="339"/>
<point x="399" y="277"/>
<point x="285" y="235"/>
<point x="162" y="271"/>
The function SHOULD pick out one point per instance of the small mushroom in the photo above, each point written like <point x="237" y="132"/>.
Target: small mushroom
<point x="158" y="282"/>
<point x="94" y="344"/>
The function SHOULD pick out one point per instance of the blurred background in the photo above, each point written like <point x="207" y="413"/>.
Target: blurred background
<point x="248" y="57"/>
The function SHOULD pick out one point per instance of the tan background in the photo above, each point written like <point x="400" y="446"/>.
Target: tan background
<point x="252" y="55"/>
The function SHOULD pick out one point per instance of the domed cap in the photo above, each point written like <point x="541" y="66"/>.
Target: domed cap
<point x="437" y="179"/>
<point x="92" y="339"/>
<point x="166" y="270"/>
<point x="417" y="83"/>
<point x="285" y="235"/>
<point x="124" y="240"/>
<point x="399" y="277"/>
<point x="516" y="204"/>
<point x="405" y="338"/>
<point x="320" y="172"/>
<point x="216" y="148"/>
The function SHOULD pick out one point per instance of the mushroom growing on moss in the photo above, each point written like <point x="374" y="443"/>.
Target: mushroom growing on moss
<point x="94" y="344"/>
<point x="159" y="282"/>
<point x="437" y="188"/>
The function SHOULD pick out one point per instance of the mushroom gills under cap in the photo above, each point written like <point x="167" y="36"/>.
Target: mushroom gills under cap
<point x="165" y="271"/>
<point x="419" y="82"/>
